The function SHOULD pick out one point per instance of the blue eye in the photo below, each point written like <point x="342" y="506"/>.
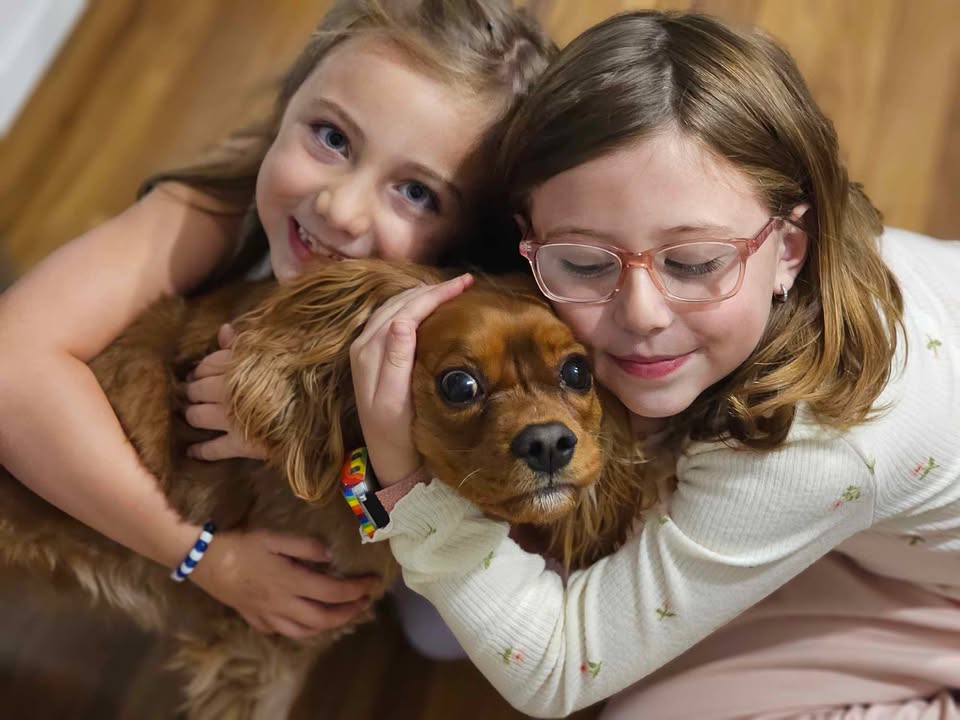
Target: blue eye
<point x="418" y="194"/>
<point x="332" y="138"/>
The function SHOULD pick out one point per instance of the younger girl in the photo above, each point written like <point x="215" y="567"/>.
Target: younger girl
<point x="685" y="209"/>
<point x="373" y="150"/>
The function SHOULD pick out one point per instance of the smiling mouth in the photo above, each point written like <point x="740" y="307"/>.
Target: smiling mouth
<point x="306" y="245"/>
<point x="653" y="368"/>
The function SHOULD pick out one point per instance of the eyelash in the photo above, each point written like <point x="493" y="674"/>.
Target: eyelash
<point x="433" y="200"/>
<point x="317" y="129"/>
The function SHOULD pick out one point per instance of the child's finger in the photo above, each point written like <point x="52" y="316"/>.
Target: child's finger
<point x="386" y="312"/>
<point x="318" y="617"/>
<point x="301" y="547"/>
<point x="210" y="451"/>
<point x="367" y="351"/>
<point x="212" y="389"/>
<point x="393" y="385"/>
<point x="207" y="416"/>
<point x="419" y="307"/>
<point x="216" y="363"/>
<point x="225" y="447"/>
<point x="290" y="628"/>
<point x="395" y="305"/>
<point x="226" y="335"/>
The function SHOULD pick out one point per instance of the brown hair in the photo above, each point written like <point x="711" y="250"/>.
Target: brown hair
<point x="741" y="96"/>
<point x="485" y="46"/>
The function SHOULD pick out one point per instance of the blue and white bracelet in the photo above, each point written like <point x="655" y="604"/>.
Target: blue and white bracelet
<point x="180" y="572"/>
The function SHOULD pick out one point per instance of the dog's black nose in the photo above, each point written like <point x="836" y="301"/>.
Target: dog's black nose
<point x="546" y="447"/>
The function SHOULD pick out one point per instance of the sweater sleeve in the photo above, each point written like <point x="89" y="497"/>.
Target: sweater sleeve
<point x="740" y="525"/>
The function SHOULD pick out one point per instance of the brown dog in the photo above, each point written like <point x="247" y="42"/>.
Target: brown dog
<point x="505" y="411"/>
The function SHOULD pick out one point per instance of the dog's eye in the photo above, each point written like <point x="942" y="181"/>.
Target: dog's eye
<point x="575" y="373"/>
<point x="459" y="387"/>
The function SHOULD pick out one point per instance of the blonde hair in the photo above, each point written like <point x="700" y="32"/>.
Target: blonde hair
<point x="484" y="46"/>
<point x="741" y="96"/>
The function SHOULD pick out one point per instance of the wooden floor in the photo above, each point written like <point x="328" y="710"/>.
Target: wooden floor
<point x="147" y="84"/>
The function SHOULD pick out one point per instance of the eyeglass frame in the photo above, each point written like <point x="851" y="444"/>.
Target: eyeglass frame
<point x="628" y="260"/>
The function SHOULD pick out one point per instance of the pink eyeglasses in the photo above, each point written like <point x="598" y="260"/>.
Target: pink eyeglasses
<point x="689" y="271"/>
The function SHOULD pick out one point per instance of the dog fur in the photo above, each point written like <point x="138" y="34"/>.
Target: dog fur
<point x="290" y="389"/>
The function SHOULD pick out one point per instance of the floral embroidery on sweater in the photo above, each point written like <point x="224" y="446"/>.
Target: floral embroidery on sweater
<point x="590" y="668"/>
<point x="922" y="469"/>
<point x="932" y="345"/>
<point x="665" y="612"/>
<point x="851" y="494"/>
<point x="487" y="560"/>
<point x="511" y="655"/>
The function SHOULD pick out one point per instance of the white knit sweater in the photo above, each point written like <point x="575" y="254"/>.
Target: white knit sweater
<point x="740" y="525"/>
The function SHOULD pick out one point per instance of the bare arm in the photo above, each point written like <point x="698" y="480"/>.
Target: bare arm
<point x="60" y="437"/>
<point x="58" y="433"/>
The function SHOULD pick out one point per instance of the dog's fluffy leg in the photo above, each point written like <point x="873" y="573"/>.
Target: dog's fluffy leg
<point x="242" y="675"/>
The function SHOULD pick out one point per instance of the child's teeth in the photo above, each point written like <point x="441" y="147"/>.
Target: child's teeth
<point x="306" y="238"/>
<point x="312" y="243"/>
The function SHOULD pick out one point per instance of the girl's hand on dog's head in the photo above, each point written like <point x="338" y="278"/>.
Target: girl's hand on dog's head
<point x="207" y="393"/>
<point x="381" y="362"/>
<point x="260" y="575"/>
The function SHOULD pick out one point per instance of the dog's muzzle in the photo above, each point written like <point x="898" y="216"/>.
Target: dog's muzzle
<point x="546" y="447"/>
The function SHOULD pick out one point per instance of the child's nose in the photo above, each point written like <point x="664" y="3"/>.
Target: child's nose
<point x="641" y="307"/>
<point x="346" y="205"/>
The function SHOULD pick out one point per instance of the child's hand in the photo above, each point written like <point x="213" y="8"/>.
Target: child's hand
<point x="207" y="393"/>
<point x="381" y="362"/>
<point x="256" y="573"/>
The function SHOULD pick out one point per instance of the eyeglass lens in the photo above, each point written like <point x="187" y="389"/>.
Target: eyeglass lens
<point x="693" y="271"/>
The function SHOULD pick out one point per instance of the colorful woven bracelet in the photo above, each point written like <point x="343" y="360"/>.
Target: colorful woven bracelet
<point x="352" y="475"/>
<point x="359" y="485"/>
<point x="180" y="572"/>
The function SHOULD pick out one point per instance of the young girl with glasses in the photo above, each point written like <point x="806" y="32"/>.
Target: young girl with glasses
<point x="374" y="149"/>
<point x="684" y="206"/>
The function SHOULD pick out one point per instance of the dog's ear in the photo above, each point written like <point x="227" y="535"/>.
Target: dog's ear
<point x="518" y="285"/>
<point x="289" y="384"/>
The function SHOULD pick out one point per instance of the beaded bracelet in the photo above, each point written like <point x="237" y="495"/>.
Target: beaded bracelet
<point x="180" y="572"/>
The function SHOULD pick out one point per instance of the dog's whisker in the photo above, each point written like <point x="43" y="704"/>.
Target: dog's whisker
<point x="468" y="476"/>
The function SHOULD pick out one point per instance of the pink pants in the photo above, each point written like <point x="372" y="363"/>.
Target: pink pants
<point x="835" y="643"/>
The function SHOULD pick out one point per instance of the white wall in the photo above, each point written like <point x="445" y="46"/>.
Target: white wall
<point x="31" y="33"/>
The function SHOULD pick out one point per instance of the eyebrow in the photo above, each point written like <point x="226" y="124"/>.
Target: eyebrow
<point x="720" y="231"/>
<point x="701" y="227"/>
<point x="450" y="186"/>
<point x="343" y="116"/>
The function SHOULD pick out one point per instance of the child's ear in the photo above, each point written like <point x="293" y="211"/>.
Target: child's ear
<point x="793" y="249"/>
